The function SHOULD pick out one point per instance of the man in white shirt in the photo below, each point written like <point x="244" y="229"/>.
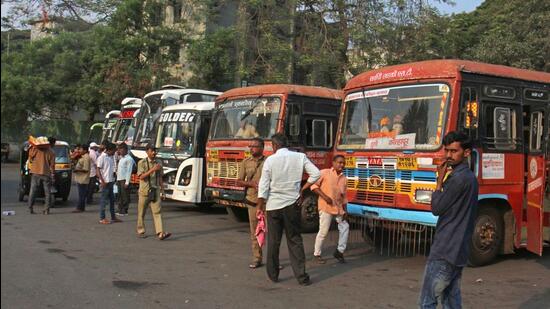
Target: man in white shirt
<point x="93" y="176"/>
<point x="280" y="186"/>
<point x="123" y="175"/>
<point x="106" y="175"/>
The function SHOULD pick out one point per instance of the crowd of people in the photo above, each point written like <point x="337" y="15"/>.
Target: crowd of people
<point x="274" y="191"/>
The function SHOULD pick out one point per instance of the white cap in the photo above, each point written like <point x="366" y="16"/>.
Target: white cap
<point x="93" y="144"/>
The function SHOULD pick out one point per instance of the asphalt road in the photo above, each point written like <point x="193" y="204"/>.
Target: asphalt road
<point x="68" y="260"/>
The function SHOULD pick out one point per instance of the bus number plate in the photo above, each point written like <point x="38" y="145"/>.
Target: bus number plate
<point x="350" y="162"/>
<point x="407" y="164"/>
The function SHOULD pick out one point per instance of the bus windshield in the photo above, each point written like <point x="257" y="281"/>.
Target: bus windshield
<point x="124" y="131"/>
<point x="246" y="118"/>
<point x="403" y="117"/>
<point x="176" y="131"/>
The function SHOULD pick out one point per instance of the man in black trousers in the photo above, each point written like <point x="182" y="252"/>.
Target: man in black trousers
<point x="280" y="186"/>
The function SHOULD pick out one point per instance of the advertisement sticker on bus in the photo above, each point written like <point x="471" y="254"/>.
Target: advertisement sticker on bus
<point x="403" y="141"/>
<point x="492" y="166"/>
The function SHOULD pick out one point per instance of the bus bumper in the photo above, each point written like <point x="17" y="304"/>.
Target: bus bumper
<point x="226" y="197"/>
<point x="392" y="214"/>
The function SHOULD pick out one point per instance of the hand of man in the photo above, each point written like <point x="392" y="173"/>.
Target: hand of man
<point x="441" y="171"/>
<point x="255" y="184"/>
<point x="328" y="200"/>
<point x="157" y="167"/>
<point x="102" y="184"/>
<point x="125" y="186"/>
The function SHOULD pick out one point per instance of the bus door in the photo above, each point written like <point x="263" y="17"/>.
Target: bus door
<point x="536" y="115"/>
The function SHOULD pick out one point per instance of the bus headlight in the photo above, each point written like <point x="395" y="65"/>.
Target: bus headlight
<point x="185" y="178"/>
<point x="64" y="174"/>
<point x="423" y="196"/>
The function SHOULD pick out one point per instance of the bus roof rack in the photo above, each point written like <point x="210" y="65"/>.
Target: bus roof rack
<point x="169" y="86"/>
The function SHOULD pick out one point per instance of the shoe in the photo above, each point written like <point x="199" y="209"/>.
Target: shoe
<point x="163" y="236"/>
<point x="116" y="220"/>
<point x="255" y="265"/>
<point x="339" y="256"/>
<point x="31" y="211"/>
<point x="46" y="212"/>
<point x="77" y="211"/>
<point x="305" y="282"/>
<point x="104" y="221"/>
<point x="319" y="259"/>
<point x="122" y="214"/>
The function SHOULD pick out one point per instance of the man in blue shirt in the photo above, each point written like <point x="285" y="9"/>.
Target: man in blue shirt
<point x="123" y="176"/>
<point x="455" y="202"/>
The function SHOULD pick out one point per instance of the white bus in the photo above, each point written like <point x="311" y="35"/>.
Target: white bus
<point x="109" y="125"/>
<point x="181" y="135"/>
<point x="124" y="131"/>
<point x="152" y="106"/>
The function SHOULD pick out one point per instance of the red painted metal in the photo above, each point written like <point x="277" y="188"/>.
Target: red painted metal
<point x="281" y="89"/>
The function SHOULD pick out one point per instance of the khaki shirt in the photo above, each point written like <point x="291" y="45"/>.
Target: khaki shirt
<point x="82" y="164"/>
<point x="154" y="178"/>
<point x="251" y="170"/>
<point x="41" y="161"/>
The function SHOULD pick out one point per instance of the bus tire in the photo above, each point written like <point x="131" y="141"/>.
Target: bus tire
<point x="487" y="236"/>
<point x="309" y="215"/>
<point x="238" y="214"/>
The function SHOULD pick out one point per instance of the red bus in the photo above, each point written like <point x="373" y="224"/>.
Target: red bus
<point x="307" y="115"/>
<point x="392" y="123"/>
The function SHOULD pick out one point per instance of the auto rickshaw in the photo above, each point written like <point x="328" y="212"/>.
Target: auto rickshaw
<point x="63" y="172"/>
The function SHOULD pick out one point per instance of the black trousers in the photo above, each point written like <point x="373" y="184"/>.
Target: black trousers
<point x="287" y="219"/>
<point x="123" y="197"/>
<point x="91" y="189"/>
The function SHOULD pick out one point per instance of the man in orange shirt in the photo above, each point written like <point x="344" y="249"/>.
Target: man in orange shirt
<point x="331" y="188"/>
<point x="42" y="168"/>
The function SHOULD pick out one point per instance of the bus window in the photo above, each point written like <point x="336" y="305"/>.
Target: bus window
<point x="470" y="111"/>
<point x="500" y="127"/>
<point x="536" y="131"/>
<point x="318" y="133"/>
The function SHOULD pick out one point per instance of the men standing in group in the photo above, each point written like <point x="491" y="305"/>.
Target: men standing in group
<point x="455" y="202"/>
<point x="123" y="175"/>
<point x="249" y="177"/>
<point x="280" y="187"/>
<point x="149" y="171"/>
<point x="42" y="169"/>
<point x="93" y="153"/>
<point x="331" y="189"/>
<point x="82" y="176"/>
<point x="106" y="175"/>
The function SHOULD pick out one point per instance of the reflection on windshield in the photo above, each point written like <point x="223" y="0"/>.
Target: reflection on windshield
<point x="246" y="118"/>
<point x="408" y="117"/>
<point x="61" y="154"/>
<point x="176" y="132"/>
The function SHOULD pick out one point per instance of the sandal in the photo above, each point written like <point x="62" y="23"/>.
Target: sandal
<point x="163" y="236"/>
<point x="104" y="221"/>
<point x="255" y="265"/>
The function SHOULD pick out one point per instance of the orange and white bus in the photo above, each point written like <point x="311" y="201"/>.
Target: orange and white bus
<point x="392" y="124"/>
<point x="307" y="115"/>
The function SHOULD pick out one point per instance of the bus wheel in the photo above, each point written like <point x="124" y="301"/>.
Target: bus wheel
<point x="309" y="214"/>
<point x="239" y="214"/>
<point x="487" y="236"/>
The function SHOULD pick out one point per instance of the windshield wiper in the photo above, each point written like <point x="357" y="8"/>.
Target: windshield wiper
<point x="254" y="104"/>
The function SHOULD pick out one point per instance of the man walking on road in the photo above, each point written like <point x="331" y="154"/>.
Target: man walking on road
<point x="249" y="177"/>
<point x="42" y="169"/>
<point x="123" y="175"/>
<point x="106" y="175"/>
<point x="331" y="189"/>
<point x="150" y="183"/>
<point x="280" y="186"/>
<point x="455" y="202"/>
<point x="82" y="177"/>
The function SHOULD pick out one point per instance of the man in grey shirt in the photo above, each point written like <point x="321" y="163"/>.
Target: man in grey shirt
<point x="280" y="186"/>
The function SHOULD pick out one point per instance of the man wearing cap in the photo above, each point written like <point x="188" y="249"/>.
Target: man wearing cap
<point x="93" y="168"/>
<point x="149" y="171"/>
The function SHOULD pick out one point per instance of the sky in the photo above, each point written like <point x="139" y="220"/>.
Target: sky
<point x="459" y="7"/>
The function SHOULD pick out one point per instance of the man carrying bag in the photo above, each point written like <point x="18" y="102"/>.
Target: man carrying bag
<point x="150" y="184"/>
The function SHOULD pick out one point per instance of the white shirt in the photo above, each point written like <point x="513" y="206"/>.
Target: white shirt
<point x="124" y="168"/>
<point x="106" y="166"/>
<point x="93" y="162"/>
<point x="282" y="176"/>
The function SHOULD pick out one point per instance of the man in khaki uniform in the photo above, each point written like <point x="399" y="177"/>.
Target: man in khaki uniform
<point x="150" y="176"/>
<point x="249" y="176"/>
